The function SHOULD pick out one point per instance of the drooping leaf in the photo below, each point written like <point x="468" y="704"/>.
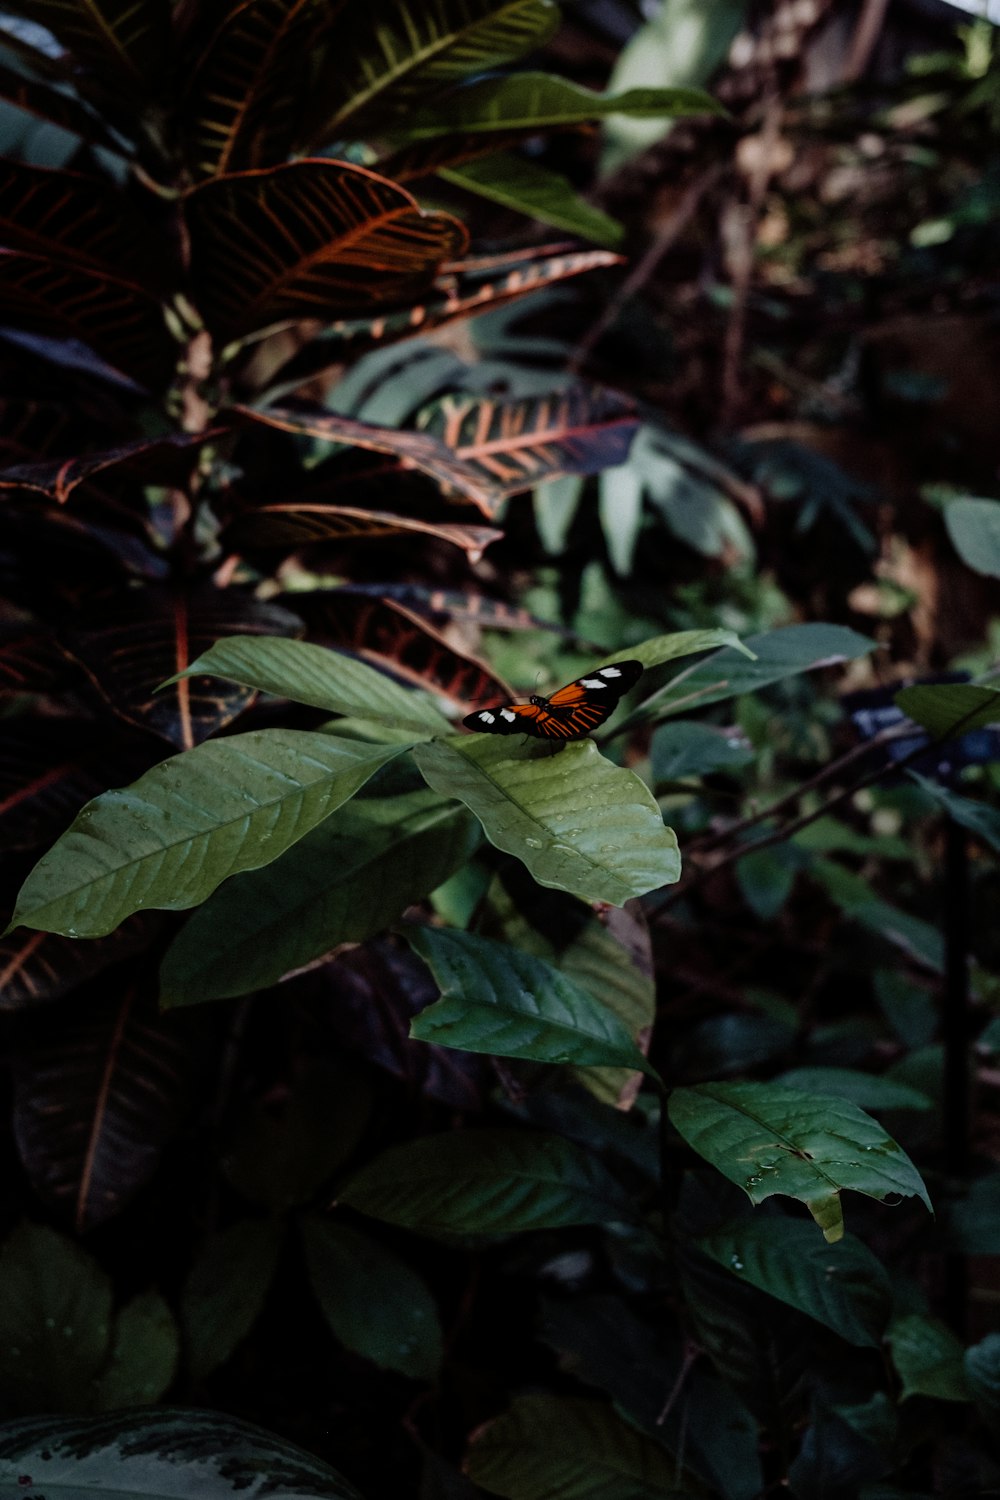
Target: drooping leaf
<point x="978" y="817"/>
<point x="244" y="99"/>
<point x="59" y="478"/>
<point x="567" y="1448"/>
<point x="688" y="748"/>
<point x="949" y="708"/>
<point x="125" y="43"/>
<point x="118" y="319"/>
<point x="541" y="101"/>
<point x="348" y="880"/>
<point x="928" y="1358"/>
<point x="134" y="642"/>
<point x="386" y="632"/>
<point x="475" y="284"/>
<point x="414" y="450"/>
<point x="310" y="239"/>
<point x="974" y="528"/>
<point x="778" y="654"/>
<point x="488" y="1182"/>
<point x="576" y="821"/>
<point x="866" y="1090"/>
<point x="768" y="1139"/>
<point x="60" y="1343"/>
<point x="390" y="58"/>
<point x="846" y="1288"/>
<point x="503" y="1001"/>
<point x="40" y="966"/>
<point x="324" y="679"/>
<point x="225" y="1291"/>
<point x="663" y="648"/>
<point x="189" y="823"/>
<point x="301" y="524"/>
<point x="535" y="191"/>
<point x="857" y="900"/>
<point x="97" y="1096"/>
<point x="147" y="1454"/>
<point x="517" y="444"/>
<point x="373" y="1302"/>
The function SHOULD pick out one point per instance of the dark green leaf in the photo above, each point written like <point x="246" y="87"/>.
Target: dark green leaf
<point x="846" y="1288"/>
<point x="191" y="822"/>
<point x="499" y="1000"/>
<point x="145" y="1352"/>
<point x="978" y="817"/>
<point x="488" y="1182"/>
<point x="974" y="1218"/>
<point x="928" y="1357"/>
<point x="949" y="708"/>
<point x="857" y="900"/>
<point x="687" y="748"/>
<point x="866" y="1090"/>
<point x="225" y="1291"/>
<point x="372" y="1301"/>
<point x="348" y="880"/>
<point x="529" y="188"/>
<point x="155" y="1453"/>
<point x="564" y="1448"/>
<point x="769" y="1139"/>
<point x="982" y="1375"/>
<point x="539" y="101"/>
<point x="974" y="527"/>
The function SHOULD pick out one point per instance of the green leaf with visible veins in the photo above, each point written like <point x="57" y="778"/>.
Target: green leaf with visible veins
<point x="575" y="820"/>
<point x="349" y="879"/>
<point x="502" y="1001"/>
<point x="769" y="1139"/>
<point x="189" y="823"/>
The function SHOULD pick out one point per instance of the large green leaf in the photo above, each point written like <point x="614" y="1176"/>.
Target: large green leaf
<point x="500" y="1000"/>
<point x="371" y="1299"/>
<point x="488" y="1182"/>
<point x="309" y="239"/>
<point x="974" y="527"/>
<point x="348" y="880"/>
<point x="540" y="101"/>
<point x="155" y="1454"/>
<point x="188" y="824"/>
<point x="769" y="1139"/>
<point x="860" y="903"/>
<point x="866" y="1090"/>
<point x="225" y="1290"/>
<point x="949" y="708"/>
<point x="777" y="654"/>
<point x="60" y="1342"/>
<point x="576" y="821"/>
<point x="663" y="648"/>
<point x="324" y="679"/>
<point x="540" y="193"/>
<point x="392" y="57"/>
<point x="847" y="1289"/>
<point x="978" y="817"/>
<point x="565" y="1448"/>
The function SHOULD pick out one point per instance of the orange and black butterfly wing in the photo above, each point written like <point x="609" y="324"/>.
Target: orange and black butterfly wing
<point x="573" y="711"/>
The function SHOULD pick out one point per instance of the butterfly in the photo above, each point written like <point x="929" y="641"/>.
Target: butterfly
<point x="570" y="713"/>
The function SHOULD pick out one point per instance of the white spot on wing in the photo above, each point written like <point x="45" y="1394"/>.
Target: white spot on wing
<point x="592" y="682"/>
<point x="505" y="713"/>
<point x="609" y="672"/>
<point x="486" y="718"/>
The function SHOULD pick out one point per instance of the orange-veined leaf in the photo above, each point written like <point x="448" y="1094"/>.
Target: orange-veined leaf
<point x="310" y="239"/>
<point x="40" y="966"/>
<point x="79" y="221"/>
<point x="48" y="770"/>
<point x="138" y="640"/>
<point x="166" y="458"/>
<point x="301" y="524"/>
<point x="516" y="444"/>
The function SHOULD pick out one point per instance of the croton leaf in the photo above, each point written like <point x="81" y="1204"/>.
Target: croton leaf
<point x="298" y="524"/>
<point x="137" y="640"/>
<point x="79" y="221"/>
<point x="147" y="1454"/>
<point x="346" y="881"/>
<point x="386" y="633"/>
<point x="529" y="188"/>
<point x="309" y="239"/>
<point x="188" y="824"/>
<point x="166" y="457"/>
<point x="517" y="444"/>
<point x="244" y="100"/>
<point x="576" y="821"/>
<point x="31" y="661"/>
<point x="125" y="42"/>
<point x="388" y="58"/>
<point x="540" y="101"/>
<point x="464" y="288"/>
<point x="121" y="321"/>
<point x="49" y="767"/>
<point x="414" y="450"/>
<point x="40" y="966"/>
<point x="98" y="1092"/>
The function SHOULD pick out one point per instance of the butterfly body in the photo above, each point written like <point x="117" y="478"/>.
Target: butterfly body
<point x="572" y="712"/>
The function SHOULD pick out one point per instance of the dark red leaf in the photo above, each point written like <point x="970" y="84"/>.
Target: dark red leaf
<point x="31" y="661"/>
<point x="100" y="1087"/>
<point x="49" y="767"/>
<point x="160" y="460"/>
<point x="299" y="524"/>
<point x="310" y="239"/>
<point x="140" y="640"/>
<point x="40" y="966"/>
